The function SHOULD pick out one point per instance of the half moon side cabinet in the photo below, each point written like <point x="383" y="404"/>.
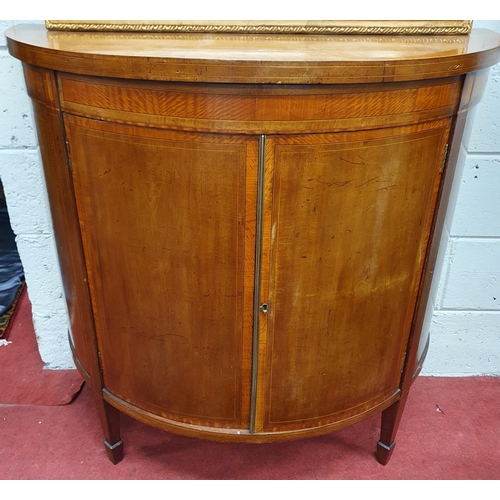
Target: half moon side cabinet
<point x="248" y="226"/>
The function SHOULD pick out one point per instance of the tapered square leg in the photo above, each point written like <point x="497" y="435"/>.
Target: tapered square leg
<point x="391" y="418"/>
<point x="110" y="422"/>
<point x="115" y="451"/>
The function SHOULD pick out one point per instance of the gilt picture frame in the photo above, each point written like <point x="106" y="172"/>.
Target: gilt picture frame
<point x="408" y="28"/>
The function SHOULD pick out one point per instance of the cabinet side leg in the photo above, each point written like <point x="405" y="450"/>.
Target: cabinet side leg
<point x="110" y="422"/>
<point x="390" y="423"/>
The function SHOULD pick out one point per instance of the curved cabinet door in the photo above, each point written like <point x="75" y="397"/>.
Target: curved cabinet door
<point x="343" y="253"/>
<point x="167" y="221"/>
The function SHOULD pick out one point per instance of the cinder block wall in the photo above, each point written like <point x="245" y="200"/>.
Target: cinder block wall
<point x="22" y="178"/>
<point x="465" y="326"/>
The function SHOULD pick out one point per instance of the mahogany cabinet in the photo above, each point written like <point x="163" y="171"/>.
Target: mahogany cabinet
<point x="247" y="226"/>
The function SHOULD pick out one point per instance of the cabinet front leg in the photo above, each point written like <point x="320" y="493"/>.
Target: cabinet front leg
<point x="110" y="422"/>
<point x="390" y="422"/>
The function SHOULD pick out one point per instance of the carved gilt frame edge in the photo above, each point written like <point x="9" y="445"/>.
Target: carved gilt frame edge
<point x="408" y="28"/>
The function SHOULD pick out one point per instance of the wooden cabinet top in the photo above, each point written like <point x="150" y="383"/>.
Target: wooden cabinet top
<point x="276" y="59"/>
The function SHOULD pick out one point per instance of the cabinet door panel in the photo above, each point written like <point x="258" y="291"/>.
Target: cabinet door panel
<point x="351" y="215"/>
<point x="163" y="218"/>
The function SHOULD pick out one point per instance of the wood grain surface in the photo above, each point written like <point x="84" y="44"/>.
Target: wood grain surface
<point x="156" y="150"/>
<point x="263" y="109"/>
<point x="51" y="137"/>
<point x="277" y="59"/>
<point x="163" y="218"/>
<point x="349" y="230"/>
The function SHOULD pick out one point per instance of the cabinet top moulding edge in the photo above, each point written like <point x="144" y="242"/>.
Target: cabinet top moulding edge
<point x="254" y="58"/>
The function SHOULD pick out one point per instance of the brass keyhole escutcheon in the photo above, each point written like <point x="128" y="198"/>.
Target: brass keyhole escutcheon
<point x="264" y="308"/>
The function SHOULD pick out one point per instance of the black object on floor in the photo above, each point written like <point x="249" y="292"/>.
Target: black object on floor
<point x="11" y="269"/>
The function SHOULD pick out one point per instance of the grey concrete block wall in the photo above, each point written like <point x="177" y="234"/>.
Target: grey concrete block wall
<point x="465" y="326"/>
<point x="465" y="329"/>
<point x="25" y="192"/>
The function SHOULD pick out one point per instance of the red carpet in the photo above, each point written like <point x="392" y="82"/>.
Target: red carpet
<point x="23" y="380"/>
<point x="65" y="442"/>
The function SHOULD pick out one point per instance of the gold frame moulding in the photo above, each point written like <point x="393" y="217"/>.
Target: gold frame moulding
<point x="408" y="28"/>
